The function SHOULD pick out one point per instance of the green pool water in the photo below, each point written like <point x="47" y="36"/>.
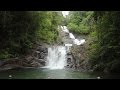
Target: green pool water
<point x="43" y="73"/>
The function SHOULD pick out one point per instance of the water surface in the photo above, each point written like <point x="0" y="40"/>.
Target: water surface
<point x="43" y="73"/>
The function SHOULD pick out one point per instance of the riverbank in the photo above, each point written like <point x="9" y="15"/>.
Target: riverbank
<point x="35" y="58"/>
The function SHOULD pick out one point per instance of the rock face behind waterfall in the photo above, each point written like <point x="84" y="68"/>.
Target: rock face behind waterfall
<point x="77" y="59"/>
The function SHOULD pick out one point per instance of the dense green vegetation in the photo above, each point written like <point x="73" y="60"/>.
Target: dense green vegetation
<point x="106" y="47"/>
<point x="20" y="30"/>
<point x="80" y="22"/>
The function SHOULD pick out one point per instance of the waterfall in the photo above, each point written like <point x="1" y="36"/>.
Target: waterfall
<point x="56" y="58"/>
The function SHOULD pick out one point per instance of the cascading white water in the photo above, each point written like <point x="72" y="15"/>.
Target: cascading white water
<point x="56" y="57"/>
<point x="79" y="42"/>
<point x="71" y="36"/>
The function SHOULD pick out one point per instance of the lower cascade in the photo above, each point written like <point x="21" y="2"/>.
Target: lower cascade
<point x="56" y="58"/>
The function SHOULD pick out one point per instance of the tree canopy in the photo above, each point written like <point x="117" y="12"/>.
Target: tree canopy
<point x="80" y="22"/>
<point x="20" y="30"/>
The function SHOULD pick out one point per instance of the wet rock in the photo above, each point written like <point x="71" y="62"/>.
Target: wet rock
<point x="10" y="66"/>
<point x="42" y="61"/>
<point x="42" y="49"/>
<point x="36" y="53"/>
<point x="28" y="58"/>
<point x="68" y="60"/>
<point x="40" y="52"/>
<point x="69" y="53"/>
<point x="42" y="55"/>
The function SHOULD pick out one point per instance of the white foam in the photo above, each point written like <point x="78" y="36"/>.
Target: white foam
<point x="79" y="42"/>
<point x="68" y="44"/>
<point x="71" y="36"/>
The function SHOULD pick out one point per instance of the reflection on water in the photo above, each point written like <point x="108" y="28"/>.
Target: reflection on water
<point x="43" y="73"/>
